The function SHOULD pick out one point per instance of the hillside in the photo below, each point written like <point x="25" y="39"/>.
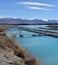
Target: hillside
<point x="26" y="21"/>
<point x="12" y="54"/>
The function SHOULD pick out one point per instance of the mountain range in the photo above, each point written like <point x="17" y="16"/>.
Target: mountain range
<point x="26" y="21"/>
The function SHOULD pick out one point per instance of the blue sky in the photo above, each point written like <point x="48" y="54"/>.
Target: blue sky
<point x="29" y="9"/>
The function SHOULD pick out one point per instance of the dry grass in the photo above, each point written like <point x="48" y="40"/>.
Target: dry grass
<point x="2" y="29"/>
<point x="10" y="45"/>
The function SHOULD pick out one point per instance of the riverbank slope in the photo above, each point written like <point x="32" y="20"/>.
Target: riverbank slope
<point x="12" y="54"/>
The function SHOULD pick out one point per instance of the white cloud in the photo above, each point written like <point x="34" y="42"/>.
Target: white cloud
<point x="6" y="16"/>
<point x="2" y="16"/>
<point x="35" y="3"/>
<point x="38" y="8"/>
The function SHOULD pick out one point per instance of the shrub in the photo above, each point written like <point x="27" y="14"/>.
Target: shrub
<point x="2" y="29"/>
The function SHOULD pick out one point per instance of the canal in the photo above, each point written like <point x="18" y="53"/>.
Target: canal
<point x="45" y="48"/>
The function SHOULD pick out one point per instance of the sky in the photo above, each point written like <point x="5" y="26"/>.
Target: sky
<point x="29" y="9"/>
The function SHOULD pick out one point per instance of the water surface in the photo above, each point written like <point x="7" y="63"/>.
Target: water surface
<point x="43" y="47"/>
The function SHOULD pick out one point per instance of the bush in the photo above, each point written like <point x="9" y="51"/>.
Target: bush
<point x="2" y="29"/>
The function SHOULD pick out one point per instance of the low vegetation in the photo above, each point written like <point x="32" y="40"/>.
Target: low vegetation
<point x="14" y="52"/>
<point x="2" y="29"/>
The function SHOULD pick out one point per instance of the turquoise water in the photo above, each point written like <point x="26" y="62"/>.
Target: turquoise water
<point x="45" y="48"/>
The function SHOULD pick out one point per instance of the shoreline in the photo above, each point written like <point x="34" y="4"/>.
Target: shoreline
<point x="18" y="51"/>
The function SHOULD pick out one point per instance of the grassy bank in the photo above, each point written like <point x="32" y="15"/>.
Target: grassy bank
<point x="8" y="45"/>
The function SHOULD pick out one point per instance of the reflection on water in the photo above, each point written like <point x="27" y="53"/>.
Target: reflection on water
<point x="43" y="47"/>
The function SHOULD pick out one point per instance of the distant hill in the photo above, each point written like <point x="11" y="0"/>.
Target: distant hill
<point x="26" y="21"/>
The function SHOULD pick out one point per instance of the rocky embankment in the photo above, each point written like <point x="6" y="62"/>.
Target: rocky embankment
<point x="12" y="54"/>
